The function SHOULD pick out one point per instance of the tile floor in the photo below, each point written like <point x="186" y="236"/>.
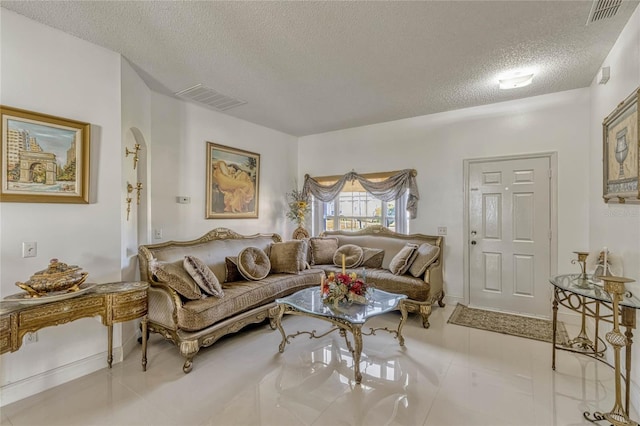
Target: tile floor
<point x="447" y="375"/>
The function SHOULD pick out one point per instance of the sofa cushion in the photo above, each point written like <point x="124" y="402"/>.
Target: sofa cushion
<point x="372" y="257"/>
<point x="352" y="255"/>
<point x="253" y="263"/>
<point x="427" y="254"/>
<point x="233" y="273"/>
<point x="322" y="250"/>
<point x="402" y="261"/>
<point x="289" y="257"/>
<point x="174" y="275"/>
<point x="203" y="276"/>
<point x="243" y="296"/>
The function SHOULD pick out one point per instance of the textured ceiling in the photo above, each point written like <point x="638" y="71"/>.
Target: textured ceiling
<point x="312" y="67"/>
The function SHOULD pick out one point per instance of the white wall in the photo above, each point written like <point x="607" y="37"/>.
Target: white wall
<point x="436" y="145"/>
<point x="47" y="71"/>
<point x="179" y="132"/>
<point x="616" y="226"/>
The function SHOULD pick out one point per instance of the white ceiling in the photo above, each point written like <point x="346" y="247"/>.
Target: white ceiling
<point x="312" y="67"/>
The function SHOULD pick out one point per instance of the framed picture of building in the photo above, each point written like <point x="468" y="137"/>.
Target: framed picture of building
<point x="233" y="183"/>
<point x="45" y="159"/>
<point x="621" y="151"/>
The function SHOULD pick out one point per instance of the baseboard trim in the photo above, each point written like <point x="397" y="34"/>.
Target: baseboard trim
<point x="30" y="386"/>
<point x="453" y="300"/>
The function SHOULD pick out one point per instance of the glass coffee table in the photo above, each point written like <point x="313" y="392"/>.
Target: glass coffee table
<point x="351" y="318"/>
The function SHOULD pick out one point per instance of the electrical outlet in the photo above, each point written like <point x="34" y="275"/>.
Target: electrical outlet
<point x="157" y="233"/>
<point x="181" y="199"/>
<point x="29" y="249"/>
<point x="442" y="230"/>
<point x="30" y="338"/>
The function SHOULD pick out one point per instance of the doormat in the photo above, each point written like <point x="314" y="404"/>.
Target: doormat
<point x="515" y="325"/>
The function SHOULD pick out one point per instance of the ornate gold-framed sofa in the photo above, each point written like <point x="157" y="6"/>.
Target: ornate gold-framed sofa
<point x="422" y="290"/>
<point x="200" y="322"/>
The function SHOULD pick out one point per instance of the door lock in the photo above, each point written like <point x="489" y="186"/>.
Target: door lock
<point x="473" y="243"/>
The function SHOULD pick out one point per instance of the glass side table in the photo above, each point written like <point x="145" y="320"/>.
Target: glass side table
<point x="586" y="295"/>
<point x="351" y="318"/>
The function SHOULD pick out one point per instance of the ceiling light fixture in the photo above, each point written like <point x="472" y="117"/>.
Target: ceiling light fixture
<point x="515" y="80"/>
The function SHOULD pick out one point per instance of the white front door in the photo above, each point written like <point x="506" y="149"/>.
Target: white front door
<point x="510" y="235"/>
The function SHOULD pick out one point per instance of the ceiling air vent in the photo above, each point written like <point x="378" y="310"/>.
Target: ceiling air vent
<point x="603" y="9"/>
<point x="209" y="97"/>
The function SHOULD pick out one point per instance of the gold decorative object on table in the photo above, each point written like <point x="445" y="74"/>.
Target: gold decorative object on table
<point x="299" y="208"/>
<point x="57" y="277"/>
<point x="618" y="416"/>
<point x="133" y="152"/>
<point x="582" y="260"/>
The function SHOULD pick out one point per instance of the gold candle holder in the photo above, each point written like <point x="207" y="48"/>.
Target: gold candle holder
<point x="617" y="416"/>
<point x="582" y="260"/>
<point x="133" y="152"/>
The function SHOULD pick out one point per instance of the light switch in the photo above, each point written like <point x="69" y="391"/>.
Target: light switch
<point x="29" y="249"/>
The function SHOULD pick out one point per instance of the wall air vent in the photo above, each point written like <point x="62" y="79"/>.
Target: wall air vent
<point x="603" y="9"/>
<point x="209" y="97"/>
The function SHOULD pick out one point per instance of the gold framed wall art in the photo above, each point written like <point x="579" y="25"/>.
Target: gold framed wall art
<point x="621" y="147"/>
<point x="45" y="159"/>
<point x="233" y="183"/>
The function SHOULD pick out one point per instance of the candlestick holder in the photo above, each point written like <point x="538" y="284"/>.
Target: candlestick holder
<point x="133" y="152"/>
<point x="582" y="260"/>
<point x="617" y="416"/>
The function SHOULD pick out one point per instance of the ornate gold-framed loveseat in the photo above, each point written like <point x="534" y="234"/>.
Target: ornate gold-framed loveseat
<point x="422" y="290"/>
<point x="196" y="322"/>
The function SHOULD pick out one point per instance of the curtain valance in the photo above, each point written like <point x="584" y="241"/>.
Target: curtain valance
<point x="389" y="189"/>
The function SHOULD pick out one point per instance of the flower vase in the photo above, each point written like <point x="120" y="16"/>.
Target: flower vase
<point x="300" y="233"/>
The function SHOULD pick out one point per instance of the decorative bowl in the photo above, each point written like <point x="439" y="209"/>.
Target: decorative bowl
<point x="57" y="277"/>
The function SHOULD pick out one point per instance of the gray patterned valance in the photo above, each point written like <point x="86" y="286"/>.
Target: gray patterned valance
<point x="389" y="189"/>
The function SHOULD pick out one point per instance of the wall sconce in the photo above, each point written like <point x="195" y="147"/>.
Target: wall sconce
<point x="133" y="152"/>
<point x="130" y="189"/>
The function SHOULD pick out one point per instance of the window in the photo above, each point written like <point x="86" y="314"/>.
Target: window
<point x="354" y="208"/>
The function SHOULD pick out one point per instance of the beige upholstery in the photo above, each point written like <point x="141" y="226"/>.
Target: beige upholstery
<point x="426" y="255"/>
<point x="175" y="276"/>
<point x="194" y="325"/>
<point x="203" y="276"/>
<point x="289" y="257"/>
<point x="322" y="250"/>
<point x="253" y="263"/>
<point x="352" y="255"/>
<point x="423" y="291"/>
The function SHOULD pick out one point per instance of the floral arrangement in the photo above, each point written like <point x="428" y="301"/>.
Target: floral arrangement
<point x="343" y="288"/>
<point x="299" y="206"/>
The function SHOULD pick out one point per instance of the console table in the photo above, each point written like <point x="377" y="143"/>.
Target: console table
<point x="113" y="302"/>
<point x="583" y="294"/>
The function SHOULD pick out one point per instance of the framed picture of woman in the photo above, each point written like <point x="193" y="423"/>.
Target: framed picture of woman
<point x="233" y="183"/>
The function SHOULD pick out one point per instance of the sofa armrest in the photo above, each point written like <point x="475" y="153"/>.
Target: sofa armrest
<point x="164" y="303"/>
<point x="433" y="277"/>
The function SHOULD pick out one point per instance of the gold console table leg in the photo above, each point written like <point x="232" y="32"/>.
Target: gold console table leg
<point x="110" y="340"/>
<point x="618" y="416"/>
<point x="145" y="337"/>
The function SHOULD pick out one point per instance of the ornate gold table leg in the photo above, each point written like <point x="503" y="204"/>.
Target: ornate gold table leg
<point x="144" y="342"/>
<point x="617" y="416"/>
<point x="110" y="343"/>
<point x="403" y="312"/>
<point x="582" y="340"/>
<point x="357" y="351"/>
<point x="279" y="327"/>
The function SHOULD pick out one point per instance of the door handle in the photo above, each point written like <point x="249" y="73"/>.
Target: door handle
<point x="473" y="243"/>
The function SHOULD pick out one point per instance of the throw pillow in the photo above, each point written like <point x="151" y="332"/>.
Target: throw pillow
<point x="322" y="250"/>
<point x="402" y="261"/>
<point x="372" y="257"/>
<point x="174" y="275"/>
<point x="352" y="256"/>
<point x="427" y="254"/>
<point x="233" y="273"/>
<point x="203" y="276"/>
<point x="288" y="257"/>
<point x="253" y="263"/>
